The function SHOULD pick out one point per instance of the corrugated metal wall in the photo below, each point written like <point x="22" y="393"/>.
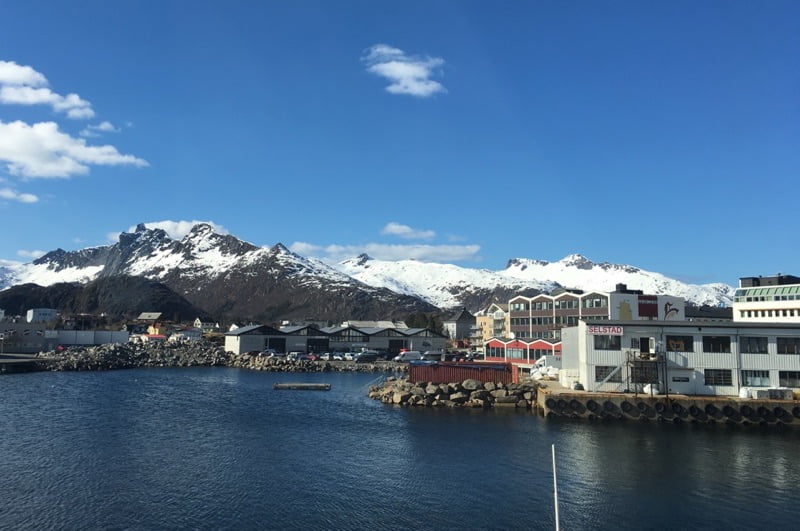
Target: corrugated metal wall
<point x="458" y="372"/>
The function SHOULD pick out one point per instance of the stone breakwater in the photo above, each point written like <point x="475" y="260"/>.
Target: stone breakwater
<point x="192" y="354"/>
<point x="468" y="394"/>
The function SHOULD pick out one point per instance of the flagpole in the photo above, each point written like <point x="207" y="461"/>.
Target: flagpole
<point x="555" y="486"/>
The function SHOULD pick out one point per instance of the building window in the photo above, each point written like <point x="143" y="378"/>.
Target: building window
<point x="635" y="343"/>
<point x="607" y="342"/>
<point x="788" y="345"/>
<point x="595" y="302"/>
<point x="602" y="371"/>
<point x="680" y="344"/>
<point x="716" y="343"/>
<point x="717" y="377"/>
<point x="755" y="378"/>
<point x="753" y="345"/>
<point x="789" y="378"/>
<point x="515" y="353"/>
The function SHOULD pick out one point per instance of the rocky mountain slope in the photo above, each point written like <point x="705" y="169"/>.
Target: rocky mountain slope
<point x="230" y="279"/>
<point x="226" y="277"/>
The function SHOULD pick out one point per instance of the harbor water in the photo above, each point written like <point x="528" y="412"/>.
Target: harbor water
<point x="219" y="448"/>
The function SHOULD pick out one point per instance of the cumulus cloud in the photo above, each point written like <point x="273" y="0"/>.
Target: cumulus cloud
<point x="22" y="85"/>
<point x="12" y="195"/>
<point x="404" y="231"/>
<point x="424" y="253"/>
<point x="406" y="74"/>
<point x="95" y="130"/>
<point x="41" y="150"/>
<point x="13" y="74"/>
<point x="177" y="229"/>
<point x="30" y="254"/>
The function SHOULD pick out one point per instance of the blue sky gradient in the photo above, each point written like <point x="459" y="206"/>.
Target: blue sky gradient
<point x="661" y="135"/>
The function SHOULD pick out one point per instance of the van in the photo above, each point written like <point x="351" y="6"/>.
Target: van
<point x="408" y="355"/>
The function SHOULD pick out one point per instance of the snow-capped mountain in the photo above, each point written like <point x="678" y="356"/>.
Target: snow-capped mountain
<point x="448" y="286"/>
<point x="230" y="278"/>
<point x="443" y="285"/>
<point x="225" y="276"/>
<point x="576" y="271"/>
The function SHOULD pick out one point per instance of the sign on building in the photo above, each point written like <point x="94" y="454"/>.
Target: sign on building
<point x="604" y="330"/>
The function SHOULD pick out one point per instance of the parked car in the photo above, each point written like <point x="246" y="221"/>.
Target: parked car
<point x="325" y="356"/>
<point x="349" y="356"/>
<point x="338" y="356"/>
<point x="408" y="355"/>
<point x="367" y="356"/>
<point x="295" y="356"/>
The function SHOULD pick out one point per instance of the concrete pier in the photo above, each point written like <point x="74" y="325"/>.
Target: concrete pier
<point x="556" y="401"/>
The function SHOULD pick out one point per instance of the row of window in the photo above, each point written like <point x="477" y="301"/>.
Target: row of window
<point x="562" y="304"/>
<point x="546" y="334"/>
<point x="750" y="378"/>
<point x="791" y="312"/>
<point x="519" y="353"/>
<point x="747" y="344"/>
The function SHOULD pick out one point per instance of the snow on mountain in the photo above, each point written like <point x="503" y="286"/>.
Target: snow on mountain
<point x="443" y="285"/>
<point x="577" y="271"/>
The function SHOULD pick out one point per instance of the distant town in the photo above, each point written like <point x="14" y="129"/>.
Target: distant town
<point x="599" y="341"/>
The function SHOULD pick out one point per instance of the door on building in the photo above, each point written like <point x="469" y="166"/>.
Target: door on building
<point x="682" y="381"/>
<point x="396" y="345"/>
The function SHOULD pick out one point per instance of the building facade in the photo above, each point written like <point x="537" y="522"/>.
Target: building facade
<point x="543" y="316"/>
<point x="683" y="357"/>
<point x="767" y="299"/>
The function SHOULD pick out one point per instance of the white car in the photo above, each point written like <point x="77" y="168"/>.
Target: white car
<point x="337" y="356"/>
<point x="349" y="356"/>
<point x="325" y="356"/>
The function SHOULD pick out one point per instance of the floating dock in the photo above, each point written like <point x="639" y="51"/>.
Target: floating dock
<point x="302" y="386"/>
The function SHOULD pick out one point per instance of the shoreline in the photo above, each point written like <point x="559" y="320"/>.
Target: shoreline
<point x="119" y="356"/>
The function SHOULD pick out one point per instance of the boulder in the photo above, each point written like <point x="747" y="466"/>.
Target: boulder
<point x="471" y="385"/>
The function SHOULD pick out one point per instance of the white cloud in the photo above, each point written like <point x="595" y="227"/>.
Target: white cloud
<point x="102" y="127"/>
<point x="407" y="74"/>
<point x="404" y="231"/>
<point x="22" y="85"/>
<point x="177" y="229"/>
<point x="13" y="74"/>
<point x="424" y="253"/>
<point x="30" y="254"/>
<point x="13" y="195"/>
<point x="41" y="150"/>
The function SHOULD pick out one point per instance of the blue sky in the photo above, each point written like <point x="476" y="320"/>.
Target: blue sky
<point x="662" y="135"/>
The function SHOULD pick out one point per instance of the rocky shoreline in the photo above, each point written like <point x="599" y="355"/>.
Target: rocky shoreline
<point x="192" y="354"/>
<point x="467" y="394"/>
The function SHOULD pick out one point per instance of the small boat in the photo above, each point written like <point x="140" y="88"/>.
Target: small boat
<point x="297" y="386"/>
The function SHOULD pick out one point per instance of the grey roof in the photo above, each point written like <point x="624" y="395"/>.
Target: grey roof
<point x="372" y="330"/>
<point x="268" y="330"/>
<point x="149" y="316"/>
<point x="332" y="329"/>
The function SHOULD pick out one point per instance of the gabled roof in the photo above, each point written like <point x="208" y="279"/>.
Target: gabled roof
<point x="417" y="331"/>
<point x="261" y="329"/>
<point x="461" y="315"/>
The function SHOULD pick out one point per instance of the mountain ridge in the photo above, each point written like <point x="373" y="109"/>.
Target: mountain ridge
<point x="231" y="278"/>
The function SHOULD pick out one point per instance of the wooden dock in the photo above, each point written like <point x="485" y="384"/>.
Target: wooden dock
<point x="295" y="386"/>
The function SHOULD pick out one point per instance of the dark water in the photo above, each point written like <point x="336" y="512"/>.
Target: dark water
<point x="219" y="449"/>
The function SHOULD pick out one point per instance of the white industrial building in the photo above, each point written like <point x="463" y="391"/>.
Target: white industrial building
<point x="683" y="357"/>
<point x="767" y="299"/>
